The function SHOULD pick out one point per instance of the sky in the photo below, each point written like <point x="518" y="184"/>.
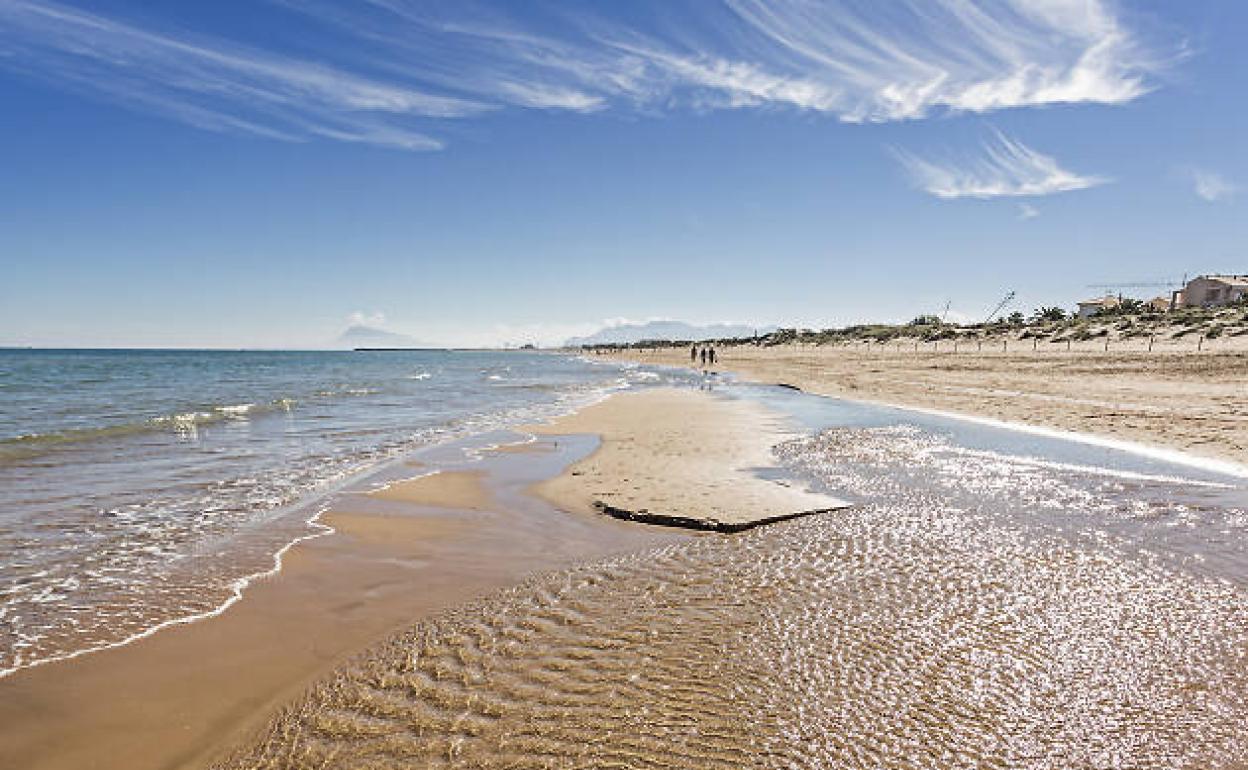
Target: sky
<point x="266" y="173"/>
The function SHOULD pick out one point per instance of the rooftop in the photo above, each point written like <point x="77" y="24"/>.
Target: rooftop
<point x="1234" y="280"/>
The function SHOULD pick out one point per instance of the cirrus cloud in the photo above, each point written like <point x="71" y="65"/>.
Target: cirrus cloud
<point x="391" y="73"/>
<point x="1002" y="167"/>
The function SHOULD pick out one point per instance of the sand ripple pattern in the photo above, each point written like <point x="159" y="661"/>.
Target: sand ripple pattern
<point x="893" y="636"/>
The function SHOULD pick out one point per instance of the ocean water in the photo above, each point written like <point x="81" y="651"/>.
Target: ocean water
<point x="141" y="488"/>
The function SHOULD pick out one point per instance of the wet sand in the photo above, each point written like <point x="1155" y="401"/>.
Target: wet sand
<point x="680" y="458"/>
<point x="1176" y="398"/>
<point x="416" y="546"/>
<point x="935" y="626"/>
<point x="463" y="490"/>
<point x="928" y="626"/>
<point x="180" y="697"/>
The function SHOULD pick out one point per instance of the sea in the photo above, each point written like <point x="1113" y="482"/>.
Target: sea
<point x="142" y="488"/>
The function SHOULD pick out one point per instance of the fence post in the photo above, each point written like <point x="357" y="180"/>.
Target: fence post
<point x="1200" y="343"/>
<point x="1068" y="344"/>
<point x="1005" y="346"/>
<point x="1034" y="342"/>
<point x="1107" y="343"/>
<point x="1151" y="337"/>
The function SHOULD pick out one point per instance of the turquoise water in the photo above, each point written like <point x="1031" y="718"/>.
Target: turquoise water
<point x="139" y="487"/>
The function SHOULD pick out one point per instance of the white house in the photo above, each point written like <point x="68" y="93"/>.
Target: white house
<point x="1090" y="307"/>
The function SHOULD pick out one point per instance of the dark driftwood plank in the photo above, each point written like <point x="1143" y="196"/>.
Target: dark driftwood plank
<point x="705" y="525"/>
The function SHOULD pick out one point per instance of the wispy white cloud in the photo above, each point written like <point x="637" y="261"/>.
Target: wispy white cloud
<point x="1027" y="211"/>
<point x="401" y="67"/>
<point x="858" y="61"/>
<point x="217" y="86"/>
<point x="904" y="58"/>
<point x="1211" y="186"/>
<point x="551" y="97"/>
<point x="1003" y="167"/>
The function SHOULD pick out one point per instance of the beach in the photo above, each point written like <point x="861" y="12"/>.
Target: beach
<point x="380" y="561"/>
<point x="769" y="384"/>
<point x="951" y="618"/>
<point x="183" y="695"/>
<point x="1174" y="397"/>
<point x="907" y="592"/>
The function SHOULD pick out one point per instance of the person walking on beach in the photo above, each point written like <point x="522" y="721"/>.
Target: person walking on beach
<point x="711" y="356"/>
<point x="703" y="354"/>
<point x="693" y="354"/>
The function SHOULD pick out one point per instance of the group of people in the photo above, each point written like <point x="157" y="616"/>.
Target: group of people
<point x="706" y="354"/>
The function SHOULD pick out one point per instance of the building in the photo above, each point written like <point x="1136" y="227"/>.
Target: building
<point x="1212" y="291"/>
<point x="1090" y="307"/>
<point x="1161" y="304"/>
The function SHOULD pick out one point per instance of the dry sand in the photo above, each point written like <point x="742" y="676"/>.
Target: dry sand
<point x="1195" y="402"/>
<point x="679" y="457"/>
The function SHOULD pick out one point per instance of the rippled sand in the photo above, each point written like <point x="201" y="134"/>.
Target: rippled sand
<point x="926" y="629"/>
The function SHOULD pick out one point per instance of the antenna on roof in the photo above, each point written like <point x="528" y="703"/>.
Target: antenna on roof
<point x="1000" y="306"/>
<point x="1136" y="285"/>
<point x="945" y="313"/>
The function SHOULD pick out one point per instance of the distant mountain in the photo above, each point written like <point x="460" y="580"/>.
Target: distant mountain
<point x="664" y="330"/>
<point x="360" y="336"/>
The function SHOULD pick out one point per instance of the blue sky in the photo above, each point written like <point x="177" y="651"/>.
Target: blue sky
<point x="264" y="173"/>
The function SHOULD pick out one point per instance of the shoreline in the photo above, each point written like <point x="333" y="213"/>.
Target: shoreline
<point x="463" y="522"/>
<point x="466" y="526"/>
<point x="238" y="589"/>
<point x="1154" y="423"/>
<point x="861" y="627"/>
<point x="181" y="695"/>
<point x="318" y="501"/>
<point x="1140" y="449"/>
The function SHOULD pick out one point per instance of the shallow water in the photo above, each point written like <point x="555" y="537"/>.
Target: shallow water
<point x="144" y="487"/>
<point x="992" y="601"/>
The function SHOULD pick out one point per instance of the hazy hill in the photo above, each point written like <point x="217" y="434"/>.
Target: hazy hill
<point x="360" y="336"/>
<point x="664" y="330"/>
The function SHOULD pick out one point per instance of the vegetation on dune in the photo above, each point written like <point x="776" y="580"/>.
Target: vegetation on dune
<point x="1130" y="319"/>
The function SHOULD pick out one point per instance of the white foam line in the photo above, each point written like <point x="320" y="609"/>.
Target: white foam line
<point x="1151" y="451"/>
<point x="477" y="454"/>
<point x="1094" y="470"/>
<point x="386" y="485"/>
<point x="237" y="587"/>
